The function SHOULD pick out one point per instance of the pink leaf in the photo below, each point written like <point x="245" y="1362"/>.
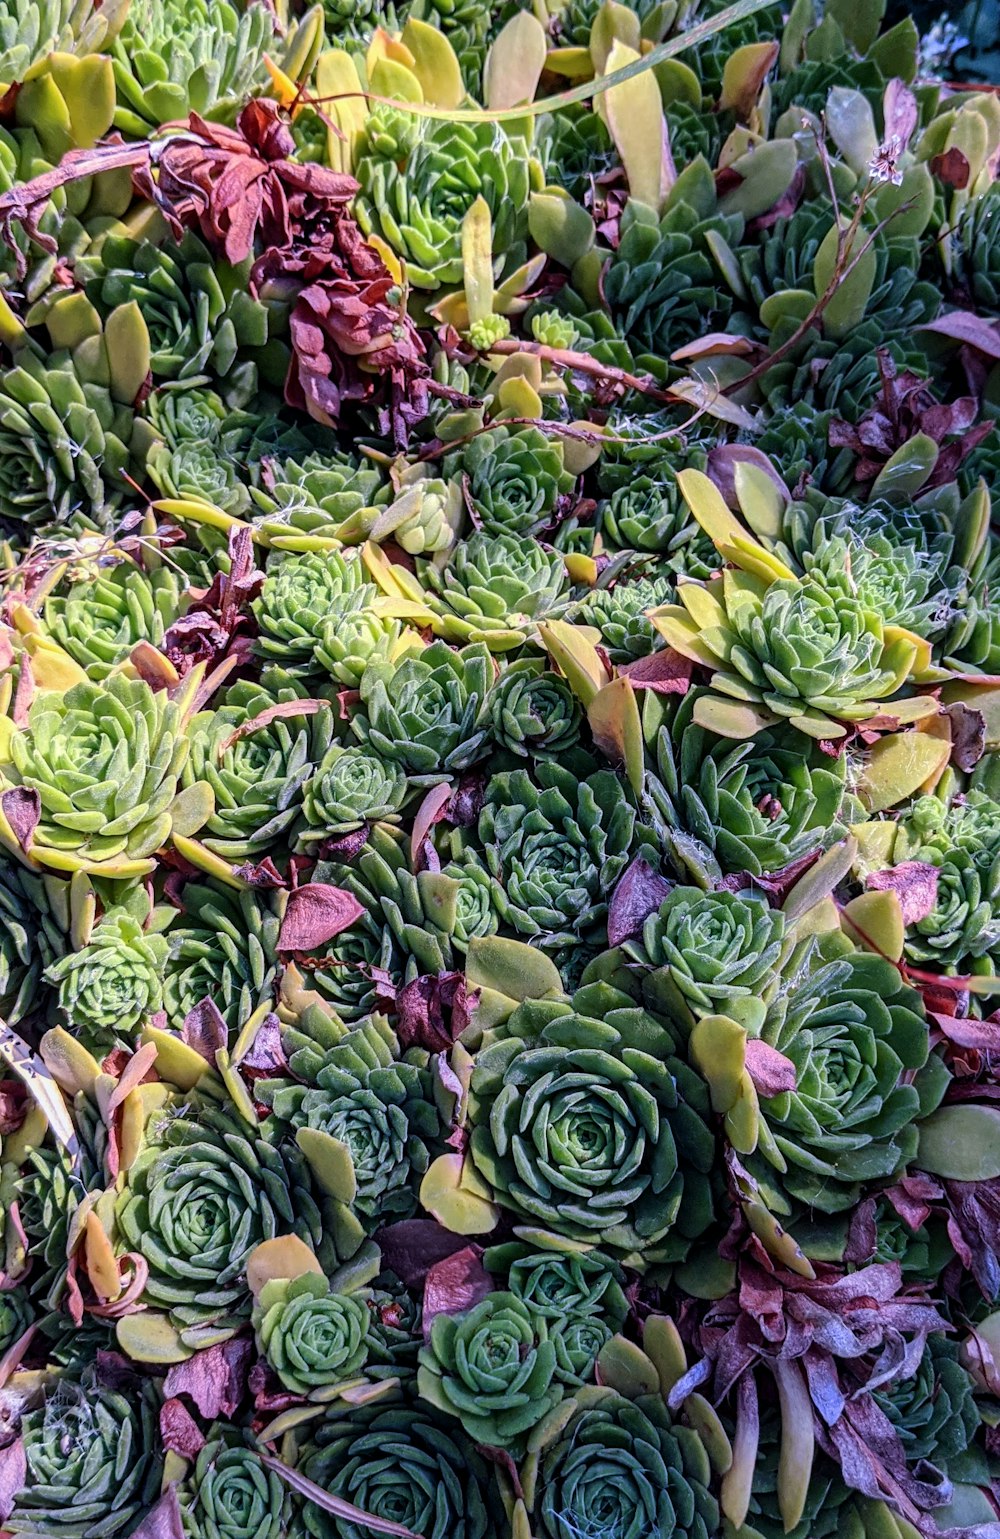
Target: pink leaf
<point x="772" y="1073"/>
<point x="455" y="1284"/>
<point x="162" y="1521"/>
<point x="964" y="326"/>
<point x="179" y="1431"/>
<point x="429" y="812"/>
<point x="665" y="672"/>
<point x="915" y="883"/>
<point x="205" y="1030"/>
<point x="215" y="1378"/>
<point x="22" y="808"/>
<point x="133" y="1074"/>
<point x="900" y="112"/>
<point x="13" y="1475"/>
<point x="315" y="914"/>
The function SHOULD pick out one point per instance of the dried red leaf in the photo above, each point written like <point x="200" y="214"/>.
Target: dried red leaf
<point x="455" y="1284"/>
<point x="179" y="1432"/>
<point x="665" y="672"/>
<point x="772" y="1073"/>
<point x="639" y="893"/>
<point x="205" y="1030"/>
<point x="215" y="1378"/>
<point x="411" y="1247"/>
<point x="915" y="882"/>
<point x="316" y="913"/>
<point x="22" y="808"/>
<point x="432" y="1011"/>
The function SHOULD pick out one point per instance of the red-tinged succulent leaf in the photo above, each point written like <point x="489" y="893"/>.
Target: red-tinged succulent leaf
<point x="982" y="1035"/>
<point x="455" y="1284"/>
<point x="162" y="1521"/>
<point x="265" y="1057"/>
<point x="665" y="672"/>
<point x="952" y="168"/>
<point x="23" y="809"/>
<point x="777" y="884"/>
<point x="965" y="326"/>
<point x="900" y="112"/>
<point x="721" y="468"/>
<point x="265" y="875"/>
<point x="772" y="1073"/>
<point x="862" y="1233"/>
<point x="13" y="1475"/>
<point x="23" y="694"/>
<point x="639" y="893"/>
<point x="915" y="882"/>
<point x="432" y="1011"/>
<point x="179" y="1432"/>
<point x="316" y="913"/>
<point x="430" y="811"/>
<point x="284" y="710"/>
<point x="138" y="1069"/>
<point x="205" y="1030"/>
<point x="214" y="1378"/>
<point x="411" y="1247"/>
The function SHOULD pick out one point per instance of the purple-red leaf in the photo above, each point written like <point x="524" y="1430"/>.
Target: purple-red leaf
<point x="411" y="1247"/>
<point x="162" y="1521"/>
<point x="22" y="808"/>
<point x="665" y="672"/>
<point x="316" y="913"/>
<point x="915" y="883"/>
<point x="639" y="893"/>
<point x="179" y="1431"/>
<point x="455" y="1284"/>
<point x="432" y="1011"/>
<point x="772" y="1073"/>
<point x="205" y="1030"/>
<point x="215" y="1378"/>
<point x="974" y="330"/>
<point x="13" y="1474"/>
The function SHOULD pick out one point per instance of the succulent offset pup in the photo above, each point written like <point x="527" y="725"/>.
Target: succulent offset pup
<point x="499" y="770"/>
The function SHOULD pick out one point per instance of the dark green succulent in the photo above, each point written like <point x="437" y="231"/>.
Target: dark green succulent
<point x="555" y="846"/>
<point x="533" y="711"/>
<point x="620" y="613"/>
<point x="405" y="1464"/>
<point x="427" y="711"/>
<point x="494" y="1368"/>
<point x="974" y="250"/>
<point x="16" y="1314"/>
<point x="93" y="1462"/>
<point x="649" y="515"/>
<point x="28" y="33"/>
<point x="101" y="617"/>
<point x="223" y="947"/>
<point x="418" y="207"/>
<point x="113" y="985"/>
<point x="706" y="951"/>
<point x="313" y="1338"/>
<point x="575" y="147"/>
<point x="259" y="777"/>
<point x="34" y="918"/>
<point x="228" y="1493"/>
<point x="560" y="1282"/>
<point x="515" y="480"/>
<point x="619" y="1466"/>
<point x="586" y="1121"/>
<point x="172" y="58"/>
<point x="204" y="1191"/>
<point x="857" y="1036"/>
<point x="935" y="1412"/>
<point x="352" y="1088"/>
<point x="753" y="806"/>
<point x="200" y="447"/>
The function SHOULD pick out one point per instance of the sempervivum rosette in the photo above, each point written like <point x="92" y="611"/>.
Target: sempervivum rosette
<point x="586" y="1121"/>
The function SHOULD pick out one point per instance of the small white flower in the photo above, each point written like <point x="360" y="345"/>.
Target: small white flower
<point x="884" y="164"/>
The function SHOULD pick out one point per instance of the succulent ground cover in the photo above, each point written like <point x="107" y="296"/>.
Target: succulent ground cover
<point x="499" y="771"/>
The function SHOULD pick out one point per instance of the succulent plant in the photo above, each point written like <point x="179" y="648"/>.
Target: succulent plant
<point x="104" y="761"/>
<point x="515" y="480"/>
<point x="34" y="918"/>
<point x="354" y="635"/>
<point x="92" y="1460"/>
<point x="314" y="496"/>
<point x="312" y="1338"/>
<point x="351" y="787"/>
<point x="493" y="1367"/>
<point x="534" y="712"/>
<point x="587" y="1122"/>
<point x="199" y="448"/>
<point x="298" y="591"/>
<point x="426" y="711"/>
<point x="28" y="33"/>
<point x="222" y="947"/>
<point x="228" y="1494"/>
<point x="113" y="985"/>
<point x="935" y="1411"/>
<point x="171" y="59"/>
<point x="555" y="846"/>
<point x="417" y="208"/>
<point x="402" y="1463"/>
<point x="258" y="768"/>
<point x="494" y="587"/>
<point x="99" y="619"/>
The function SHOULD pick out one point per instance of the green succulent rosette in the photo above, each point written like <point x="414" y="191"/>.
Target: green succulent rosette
<point x="515" y="480"/>
<point x="316" y="497"/>
<point x="561" y="1281"/>
<point x="113" y="985"/>
<point x="93" y="1462"/>
<point x="533" y="712"/>
<point x="585" y="1121"/>
<point x="100" y="619"/>
<point x="355" y="635"/>
<point x="222" y="947"/>
<point x="171" y="59"/>
<point x="314" y="1339"/>
<point x="298" y="592"/>
<point x="200" y="447"/>
<point x="754" y="806"/>
<point x="203" y="1193"/>
<point x="34" y="918"/>
<point x="936" y="1414"/>
<point x="406" y="1464"/>
<point x="426" y="712"/>
<point x="229" y="1494"/>
<point x="621" y="614"/>
<point x="418" y="207"/>
<point x="702" y="953"/>
<point x="104" y="761"/>
<point x="622" y="1466"/>
<point x="555" y="846"/>
<point x="73" y="26"/>
<point x="259" y="758"/>
<point x="351" y="787"/>
<point x="493" y="587"/>
<point x="494" y="1368"/>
